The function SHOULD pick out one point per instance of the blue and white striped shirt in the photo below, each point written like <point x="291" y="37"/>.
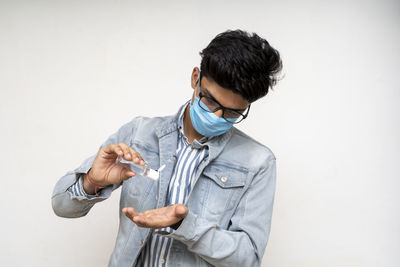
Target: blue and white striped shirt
<point x="77" y="189"/>
<point x="156" y="250"/>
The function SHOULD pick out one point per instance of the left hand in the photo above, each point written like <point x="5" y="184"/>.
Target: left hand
<point x="157" y="218"/>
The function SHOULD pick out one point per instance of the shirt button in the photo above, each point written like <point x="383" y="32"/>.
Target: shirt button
<point x="224" y="179"/>
<point x="162" y="261"/>
<point x="142" y="241"/>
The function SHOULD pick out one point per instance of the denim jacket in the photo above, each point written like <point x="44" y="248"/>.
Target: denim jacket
<point x="230" y="205"/>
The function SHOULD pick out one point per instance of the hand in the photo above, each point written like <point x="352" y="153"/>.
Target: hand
<point x="157" y="218"/>
<point x="105" y="171"/>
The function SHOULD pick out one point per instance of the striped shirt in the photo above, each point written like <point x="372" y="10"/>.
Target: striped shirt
<point x="156" y="250"/>
<point x="77" y="189"/>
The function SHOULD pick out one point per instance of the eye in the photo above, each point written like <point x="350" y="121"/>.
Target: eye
<point x="231" y="114"/>
<point x="210" y="102"/>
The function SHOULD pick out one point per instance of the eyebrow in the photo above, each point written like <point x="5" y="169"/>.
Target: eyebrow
<point x="213" y="98"/>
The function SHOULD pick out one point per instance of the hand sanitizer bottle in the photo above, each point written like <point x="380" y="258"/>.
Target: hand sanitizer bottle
<point x="145" y="170"/>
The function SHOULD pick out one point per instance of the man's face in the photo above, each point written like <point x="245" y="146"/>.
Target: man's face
<point x="223" y="96"/>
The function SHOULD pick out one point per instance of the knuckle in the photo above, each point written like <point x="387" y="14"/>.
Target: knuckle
<point x="105" y="147"/>
<point x="122" y="144"/>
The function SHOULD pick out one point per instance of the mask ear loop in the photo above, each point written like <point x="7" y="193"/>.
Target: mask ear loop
<point x="197" y="82"/>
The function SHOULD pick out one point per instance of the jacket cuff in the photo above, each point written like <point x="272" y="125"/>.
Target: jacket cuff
<point x="104" y="193"/>
<point x="77" y="190"/>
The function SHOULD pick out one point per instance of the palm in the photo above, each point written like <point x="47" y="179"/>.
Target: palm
<point x="157" y="218"/>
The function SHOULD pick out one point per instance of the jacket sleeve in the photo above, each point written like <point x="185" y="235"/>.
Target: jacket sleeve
<point x="69" y="205"/>
<point x="245" y="240"/>
<point x="78" y="190"/>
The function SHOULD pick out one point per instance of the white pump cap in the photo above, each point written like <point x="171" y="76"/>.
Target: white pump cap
<point x="154" y="175"/>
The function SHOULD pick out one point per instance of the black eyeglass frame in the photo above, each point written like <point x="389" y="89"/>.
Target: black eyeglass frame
<point x="241" y="115"/>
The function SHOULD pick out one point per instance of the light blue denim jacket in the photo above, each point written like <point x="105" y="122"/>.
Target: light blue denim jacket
<point x="230" y="205"/>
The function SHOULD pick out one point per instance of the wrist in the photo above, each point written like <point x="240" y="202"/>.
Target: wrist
<point x="89" y="186"/>
<point x="92" y="181"/>
<point x="89" y="189"/>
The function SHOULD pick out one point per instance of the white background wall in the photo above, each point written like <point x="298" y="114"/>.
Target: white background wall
<point x="72" y="72"/>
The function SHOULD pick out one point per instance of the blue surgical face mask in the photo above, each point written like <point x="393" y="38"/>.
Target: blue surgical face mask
<point x="207" y="123"/>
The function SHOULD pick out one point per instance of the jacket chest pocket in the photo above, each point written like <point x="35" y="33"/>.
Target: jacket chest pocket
<point x="220" y="188"/>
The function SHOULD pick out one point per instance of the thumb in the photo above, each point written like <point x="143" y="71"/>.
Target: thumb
<point x="181" y="211"/>
<point x="126" y="174"/>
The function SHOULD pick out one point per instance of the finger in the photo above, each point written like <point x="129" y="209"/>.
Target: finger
<point x="129" y="212"/>
<point x="129" y="174"/>
<point x="113" y="149"/>
<point x="181" y="211"/>
<point x="131" y="154"/>
<point x="133" y="212"/>
<point x="139" y="220"/>
<point x="124" y="210"/>
<point x="142" y="221"/>
<point x="125" y="174"/>
<point x="137" y="158"/>
<point x="127" y="151"/>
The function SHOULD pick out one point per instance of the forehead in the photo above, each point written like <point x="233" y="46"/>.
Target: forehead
<point x="224" y="96"/>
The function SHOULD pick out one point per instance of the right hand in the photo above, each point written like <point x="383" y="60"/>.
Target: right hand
<point x="105" y="171"/>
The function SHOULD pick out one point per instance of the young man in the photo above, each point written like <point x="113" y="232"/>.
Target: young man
<point x="212" y="204"/>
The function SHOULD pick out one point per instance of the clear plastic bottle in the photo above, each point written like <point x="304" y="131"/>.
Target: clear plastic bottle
<point x="145" y="170"/>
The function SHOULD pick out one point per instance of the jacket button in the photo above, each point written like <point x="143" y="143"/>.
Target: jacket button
<point x="224" y="179"/>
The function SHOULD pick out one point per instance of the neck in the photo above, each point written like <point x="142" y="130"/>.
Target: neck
<point x="190" y="132"/>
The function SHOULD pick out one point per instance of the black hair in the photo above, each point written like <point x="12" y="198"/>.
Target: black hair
<point x="242" y="62"/>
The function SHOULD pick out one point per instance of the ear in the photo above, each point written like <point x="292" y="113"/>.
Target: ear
<point x="195" y="77"/>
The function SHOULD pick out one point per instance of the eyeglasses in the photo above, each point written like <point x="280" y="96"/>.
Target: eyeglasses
<point x="211" y="105"/>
